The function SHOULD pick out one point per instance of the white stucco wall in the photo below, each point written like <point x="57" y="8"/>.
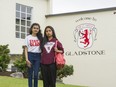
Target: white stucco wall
<point x="7" y="20"/>
<point x="89" y="70"/>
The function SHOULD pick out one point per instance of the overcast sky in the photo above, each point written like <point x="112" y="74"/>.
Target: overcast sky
<point x="62" y="6"/>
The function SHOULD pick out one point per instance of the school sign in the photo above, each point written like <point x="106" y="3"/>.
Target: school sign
<point x="89" y="41"/>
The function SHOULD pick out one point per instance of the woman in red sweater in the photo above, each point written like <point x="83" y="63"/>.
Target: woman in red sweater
<point x="48" y="65"/>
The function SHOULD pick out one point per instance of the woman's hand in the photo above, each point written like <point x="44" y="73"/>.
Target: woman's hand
<point x="28" y="63"/>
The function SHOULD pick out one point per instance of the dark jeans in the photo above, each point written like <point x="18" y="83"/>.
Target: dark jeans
<point x="49" y="75"/>
<point x="34" y="58"/>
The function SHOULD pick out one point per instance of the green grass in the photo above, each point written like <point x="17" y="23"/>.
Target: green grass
<point x="16" y="82"/>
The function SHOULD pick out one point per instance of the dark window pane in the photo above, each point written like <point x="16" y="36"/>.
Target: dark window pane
<point x="23" y="8"/>
<point x="29" y="9"/>
<point x="18" y="7"/>
<point x="28" y="17"/>
<point x="23" y="35"/>
<point x="23" y="16"/>
<point x="17" y="35"/>
<point x="22" y="29"/>
<point x="18" y="14"/>
<point x="22" y="22"/>
<point x="28" y="23"/>
<point x="17" y="21"/>
<point x="17" y="28"/>
<point x="28" y="30"/>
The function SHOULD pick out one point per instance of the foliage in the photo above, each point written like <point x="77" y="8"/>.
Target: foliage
<point x="67" y="70"/>
<point x="4" y="57"/>
<point x="21" y="64"/>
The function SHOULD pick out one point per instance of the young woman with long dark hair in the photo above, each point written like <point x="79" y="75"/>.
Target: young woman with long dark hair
<point x="48" y="65"/>
<point x="33" y="53"/>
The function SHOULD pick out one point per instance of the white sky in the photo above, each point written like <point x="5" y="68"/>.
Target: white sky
<point x="62" y="6"/>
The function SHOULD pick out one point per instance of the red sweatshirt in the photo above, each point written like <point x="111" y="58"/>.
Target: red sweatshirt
<point x="48" y="53"/>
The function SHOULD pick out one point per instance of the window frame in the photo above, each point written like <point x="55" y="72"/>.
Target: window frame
<point x="21" y="20"/>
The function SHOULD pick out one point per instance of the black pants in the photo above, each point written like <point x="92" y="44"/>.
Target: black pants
<point x="49" y="75"/>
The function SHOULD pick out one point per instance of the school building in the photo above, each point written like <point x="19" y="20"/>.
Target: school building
<point x="88" y="37"/>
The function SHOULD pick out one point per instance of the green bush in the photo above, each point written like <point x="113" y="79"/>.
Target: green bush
<point x="67" y="70"/>
<point x="21" y="64"/>
<point x="4" y="57"/>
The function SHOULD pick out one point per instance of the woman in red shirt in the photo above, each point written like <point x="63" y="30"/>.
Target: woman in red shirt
<point x="48" y="66"/>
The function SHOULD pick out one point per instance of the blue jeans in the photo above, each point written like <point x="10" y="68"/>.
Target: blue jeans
<point x="34" y="58"/>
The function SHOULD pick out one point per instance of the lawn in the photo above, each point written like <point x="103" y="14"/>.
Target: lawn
<point x="16" y="82"/>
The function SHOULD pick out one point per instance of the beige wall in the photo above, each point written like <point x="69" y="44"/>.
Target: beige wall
<point x="89" y="70"/>
<point x="7" y="20"/>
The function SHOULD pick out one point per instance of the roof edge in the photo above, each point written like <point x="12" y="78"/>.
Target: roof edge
<point x="85" y="11"/>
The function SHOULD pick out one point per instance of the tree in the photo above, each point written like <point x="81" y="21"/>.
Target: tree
<point x="4" y="57"/>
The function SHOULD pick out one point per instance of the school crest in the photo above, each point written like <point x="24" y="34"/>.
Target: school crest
<point x="85" y="35"/>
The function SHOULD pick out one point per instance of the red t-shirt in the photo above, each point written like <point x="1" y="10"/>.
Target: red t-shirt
<point x="48" y="52"/>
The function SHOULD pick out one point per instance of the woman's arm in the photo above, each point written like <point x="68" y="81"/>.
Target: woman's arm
<point x="59" y="48"/>
<point x="26" y="55"/>
<point x="58" y="51"/>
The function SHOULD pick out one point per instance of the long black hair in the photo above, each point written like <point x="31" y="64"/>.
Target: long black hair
<point x="45" y="39"/>
<point x="39" y="34"/>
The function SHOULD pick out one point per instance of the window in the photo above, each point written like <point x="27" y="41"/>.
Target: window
<point x="23" y="20"/>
